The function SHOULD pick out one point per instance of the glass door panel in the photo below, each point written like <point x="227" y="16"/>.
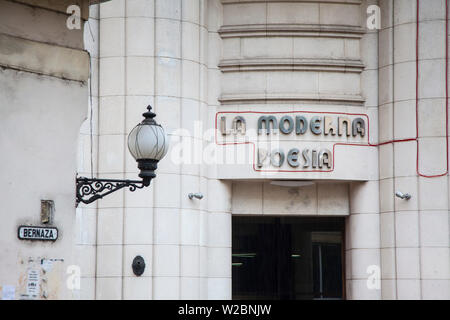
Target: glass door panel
<point x="287" y="258"/>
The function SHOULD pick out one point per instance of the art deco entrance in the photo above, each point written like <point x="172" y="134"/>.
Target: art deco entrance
<point x="287" y="258"/>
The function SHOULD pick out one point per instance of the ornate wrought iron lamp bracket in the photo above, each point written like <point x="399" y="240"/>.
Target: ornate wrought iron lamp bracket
<point x="92" y="189"/>
<point x="147" y="143"/>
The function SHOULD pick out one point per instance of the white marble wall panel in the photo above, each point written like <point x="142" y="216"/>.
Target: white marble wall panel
<point x="264" y="198"/>
<point x="410" y="257"/>
<point x="191" y="59"/>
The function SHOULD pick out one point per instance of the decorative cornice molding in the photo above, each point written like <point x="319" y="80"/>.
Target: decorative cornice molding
<point x="290" y="30"/>
<point x="287" y="64"/>
<point x="59" y="5"/>
<point x="357" y="100"/>
<point x="42" y="58"/>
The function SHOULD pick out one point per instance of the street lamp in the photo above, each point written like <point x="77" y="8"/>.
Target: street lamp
<point x="148" y="143"/>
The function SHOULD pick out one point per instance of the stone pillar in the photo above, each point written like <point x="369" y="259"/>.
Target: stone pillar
<point x="433" y="237"/>
<point x="363" y="242"/>
<point x="180" y="100"/>
<point x="414" y="233"/>
<point x="217" y="284"/>
<point x="155" y="52"/>
<point x="111" y="149"/>
<point x="362" y="229"/>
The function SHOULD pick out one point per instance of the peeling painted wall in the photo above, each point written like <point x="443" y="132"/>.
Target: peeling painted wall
<point x="40" y="118"/>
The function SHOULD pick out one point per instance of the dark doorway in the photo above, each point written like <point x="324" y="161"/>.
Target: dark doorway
<point x="287" y="258"/>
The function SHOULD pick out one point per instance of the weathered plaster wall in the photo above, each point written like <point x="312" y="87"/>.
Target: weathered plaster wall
<point x="40" y="120"/>
<point x="39" y="24"/>
<point x="43" y="99"/>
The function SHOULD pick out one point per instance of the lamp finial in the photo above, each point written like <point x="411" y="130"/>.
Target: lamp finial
<point x="149" y="115"/>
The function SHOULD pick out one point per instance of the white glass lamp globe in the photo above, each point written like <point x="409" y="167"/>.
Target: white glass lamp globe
<point x="148" y="143"/>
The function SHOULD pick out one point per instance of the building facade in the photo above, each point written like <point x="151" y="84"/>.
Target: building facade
<point x="44" y="71"/>
<point x="297" y="121"/>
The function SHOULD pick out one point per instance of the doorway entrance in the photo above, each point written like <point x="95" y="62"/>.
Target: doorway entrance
<point x="287" y="258"/>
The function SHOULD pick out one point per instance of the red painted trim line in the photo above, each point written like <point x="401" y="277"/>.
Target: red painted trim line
<point x="417" y="90"/>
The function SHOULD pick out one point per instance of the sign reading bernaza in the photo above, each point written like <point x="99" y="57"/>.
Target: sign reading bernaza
<point x="37" y="233"/>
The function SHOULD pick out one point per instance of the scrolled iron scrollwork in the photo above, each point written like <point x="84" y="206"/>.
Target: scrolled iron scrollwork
<point x="92" y="189"/>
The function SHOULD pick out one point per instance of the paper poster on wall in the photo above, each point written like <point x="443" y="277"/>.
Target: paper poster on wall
<point x="8" y="292"/>
<point x="33" y="283"/>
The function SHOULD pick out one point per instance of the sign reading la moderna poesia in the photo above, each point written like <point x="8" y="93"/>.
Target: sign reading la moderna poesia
<point x="300" y="140"/>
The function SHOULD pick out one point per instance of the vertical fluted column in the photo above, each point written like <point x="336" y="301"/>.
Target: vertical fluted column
<point x="111" y="151"/>
<point x="432" y="218"/>
<point x="139" y="214"/>
<point x="414" y="233"/>
<point x="386" y="134"/>
<point x="180" y="79"/>
<point x="125" y="219"/>
<point x="156" y="52"/>
<point x="362" y="230"/>
<point x="217" y="272"/>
